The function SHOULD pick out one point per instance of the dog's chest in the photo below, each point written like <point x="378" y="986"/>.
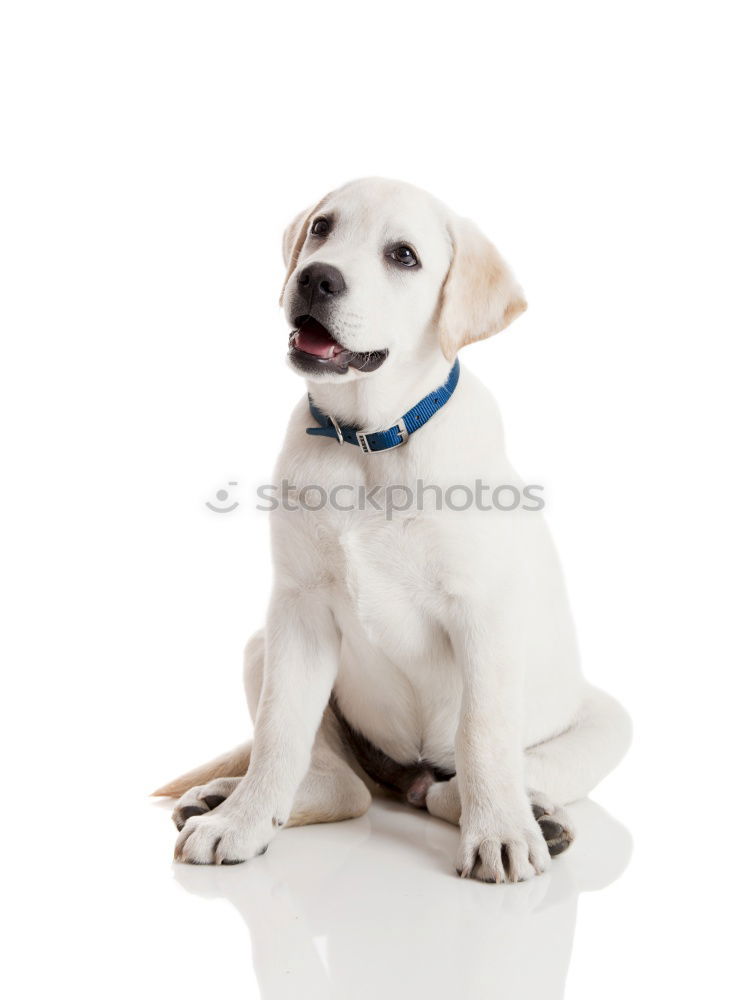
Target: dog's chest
<point x="397" y="679"/>
<point x="397" y="683"/>
<point x="384" y="581"/>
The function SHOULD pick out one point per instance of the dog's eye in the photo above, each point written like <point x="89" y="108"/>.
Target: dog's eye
<point x="321" y="227"/>
<point x="403" y="255"/>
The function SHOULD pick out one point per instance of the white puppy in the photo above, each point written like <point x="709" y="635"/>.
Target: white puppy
<point x="420" y="648"/>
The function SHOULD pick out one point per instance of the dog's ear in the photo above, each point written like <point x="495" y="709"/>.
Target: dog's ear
<point x="291" y="243"/>
<point x="294" y="238"/>
<point x="480" y="295"/>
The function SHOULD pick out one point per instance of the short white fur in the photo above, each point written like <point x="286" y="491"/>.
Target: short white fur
<point x="447" y="635"/>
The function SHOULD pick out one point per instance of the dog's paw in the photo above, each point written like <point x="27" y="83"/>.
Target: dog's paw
<point x="202" y="799"/>
<point x="554" y="822"/>
<point x="222" y="836"/>
<point x="511" y="848"/>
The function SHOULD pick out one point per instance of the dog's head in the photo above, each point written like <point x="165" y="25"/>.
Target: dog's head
<point x="380" y="271"/>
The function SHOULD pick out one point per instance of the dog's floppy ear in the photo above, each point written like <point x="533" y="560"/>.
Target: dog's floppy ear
<point x="291" y="243"/>
<point x="480" y="295"/>
<point x="294" y="238"/>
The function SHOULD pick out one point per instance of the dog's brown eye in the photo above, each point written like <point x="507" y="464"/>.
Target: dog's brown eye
<point x="321" y="227"/>
<point x="404" y="255"/>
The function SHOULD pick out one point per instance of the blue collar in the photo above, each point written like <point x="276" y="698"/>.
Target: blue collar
<point x="395" y="436"/>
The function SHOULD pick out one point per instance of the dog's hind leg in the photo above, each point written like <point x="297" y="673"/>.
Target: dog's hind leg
<point x="330" y="791"/>
<point x="233" y="764"/>
<point x="568" y="766"/>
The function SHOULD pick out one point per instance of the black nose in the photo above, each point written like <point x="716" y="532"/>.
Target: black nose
<point x="319" y="282"/>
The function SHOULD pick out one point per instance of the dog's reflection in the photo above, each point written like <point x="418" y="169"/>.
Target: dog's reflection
<point x="371" y="910"/>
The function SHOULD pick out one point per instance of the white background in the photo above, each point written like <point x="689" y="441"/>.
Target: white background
<point x="153" y="153"/>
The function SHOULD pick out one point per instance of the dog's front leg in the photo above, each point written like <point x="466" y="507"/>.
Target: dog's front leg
<point x="301" y="664"/>
<point x="500" y="839"/>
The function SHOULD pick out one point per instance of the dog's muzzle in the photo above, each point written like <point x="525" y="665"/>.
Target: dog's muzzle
<point x="315" y="351"/>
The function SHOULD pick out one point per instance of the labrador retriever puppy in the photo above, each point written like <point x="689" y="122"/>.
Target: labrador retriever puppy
<point x="423" y="647"/>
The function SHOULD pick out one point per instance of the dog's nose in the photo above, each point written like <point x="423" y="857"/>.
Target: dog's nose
<point x="318" y="282"/>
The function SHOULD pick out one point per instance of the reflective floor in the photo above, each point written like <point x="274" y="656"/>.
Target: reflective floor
<point x="371" y="909"/>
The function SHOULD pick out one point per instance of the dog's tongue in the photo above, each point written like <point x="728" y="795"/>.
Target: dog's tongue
<point x="312" y="338"/>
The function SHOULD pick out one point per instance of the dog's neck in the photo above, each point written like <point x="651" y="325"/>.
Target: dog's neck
<point x="376" y="401"/>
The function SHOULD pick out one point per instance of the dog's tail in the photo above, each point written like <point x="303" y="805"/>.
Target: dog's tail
<point x="232" y="764"/>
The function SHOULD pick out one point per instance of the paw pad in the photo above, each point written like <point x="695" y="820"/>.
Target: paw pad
<point x="558" y="838"/>
<point x="212" y="801"/>
<point x="183" y="815"/>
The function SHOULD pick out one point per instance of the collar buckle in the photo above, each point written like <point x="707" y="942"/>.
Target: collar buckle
<point x="400" y="426"/>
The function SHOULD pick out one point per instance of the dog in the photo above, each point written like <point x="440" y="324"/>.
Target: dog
<point x="426" y="650"/>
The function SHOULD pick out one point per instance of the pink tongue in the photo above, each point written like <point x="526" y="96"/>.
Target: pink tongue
<point x="312" y="338"/>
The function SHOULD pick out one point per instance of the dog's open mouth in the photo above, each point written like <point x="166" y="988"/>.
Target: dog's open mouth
<point x="314" y="350"/>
